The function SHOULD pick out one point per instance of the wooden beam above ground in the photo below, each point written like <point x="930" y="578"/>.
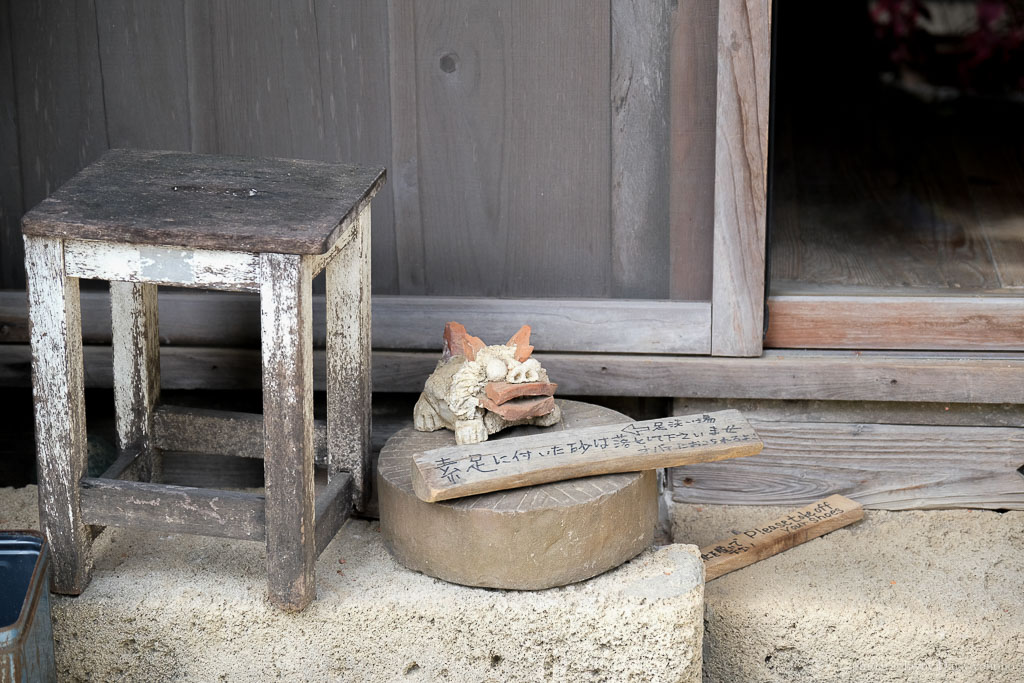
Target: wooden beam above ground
<point x="871" y="412"/>
<point x="413" y="322"/>
<point x="840" y="321"/>
<point x="791" y="375"/>
<point x="888" y="467"/>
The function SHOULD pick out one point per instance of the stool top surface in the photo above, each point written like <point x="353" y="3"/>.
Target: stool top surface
<point x="203" y="201"/>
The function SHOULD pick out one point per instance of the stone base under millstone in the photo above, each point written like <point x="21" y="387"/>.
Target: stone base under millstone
<point x="169" y="607"/>
<point x="529" y="538"/>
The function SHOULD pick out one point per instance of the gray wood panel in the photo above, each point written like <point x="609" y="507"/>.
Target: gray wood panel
<point x="640" y="77"/>
<point x="12" y="267"/>
<point x="694" y="69"/>
<point x="293" y="80"/>
<point x="405" y="187"/>
<point x="145" y="78"/>
<point x="512" y="120"/>
<point x="58" y="88"/>
<point x="502" y="155"/>
<point x="582" y="325"/>
<point x="353" y="41"/>
<point x="266" y="82"/>
<point x="890" y="467"/>
<point x="201" y="90"/>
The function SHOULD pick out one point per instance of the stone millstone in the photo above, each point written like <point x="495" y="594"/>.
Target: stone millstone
<point x="528" y="538"/>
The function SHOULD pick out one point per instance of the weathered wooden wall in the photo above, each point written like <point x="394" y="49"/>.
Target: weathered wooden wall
<point x="528" y="143"/>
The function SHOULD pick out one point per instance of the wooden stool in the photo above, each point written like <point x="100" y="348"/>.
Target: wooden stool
<point x="142" y="219"/>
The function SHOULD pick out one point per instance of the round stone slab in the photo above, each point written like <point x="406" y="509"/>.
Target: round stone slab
<point x="528" y="538"/>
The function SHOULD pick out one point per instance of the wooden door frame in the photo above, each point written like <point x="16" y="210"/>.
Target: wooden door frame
<point x="641" y="32"/>
<point x="732" y="323"/>
<point x="814" y="316"/>
<point x="741" y="176"/>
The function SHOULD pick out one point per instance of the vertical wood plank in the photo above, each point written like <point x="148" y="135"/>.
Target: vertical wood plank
<point x="202" y="109"/>
<point x="741" y="173"/>
<point x="286" y="338"/>
<point x="266" y="75"/>
<point x="692" y="176"/>
<point x="57" y="387"/>
<point x="297" y="80"/>
<point x="641" y="32"/>
<point x="142" y="50"/>
<point x="61" y="124"/>
<point x="557" y="173"/>
<point x="404" y="170"/>
<point x="136" y="351"/>
<point x="12" y="255"/>
<point x="513" y="115"/>
<point x="348" y="361"/>
<point x="354" y="67"/>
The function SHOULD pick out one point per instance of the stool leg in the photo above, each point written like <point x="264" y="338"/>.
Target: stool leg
<point x="348" y="361"/>
<point x="136" y="344"/>
<point x="286" y="333"/>
<point x="57" y="386"/>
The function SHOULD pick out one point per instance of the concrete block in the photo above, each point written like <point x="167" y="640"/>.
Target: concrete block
<point x="174" y="607"/>
<point x="919" y="596"/>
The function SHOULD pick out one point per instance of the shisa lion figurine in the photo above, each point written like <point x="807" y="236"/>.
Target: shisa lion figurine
<point x="477" y="390"/>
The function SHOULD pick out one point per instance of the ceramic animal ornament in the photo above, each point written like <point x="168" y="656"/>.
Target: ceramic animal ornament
<point x="477" y="390"/>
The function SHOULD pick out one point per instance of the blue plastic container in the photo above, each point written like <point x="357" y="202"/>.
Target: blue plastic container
<point x="26" y="634"/>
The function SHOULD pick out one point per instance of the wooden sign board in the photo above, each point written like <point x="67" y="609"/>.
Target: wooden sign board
<point x="760" y="542"/>
<point x="457" y="471"/>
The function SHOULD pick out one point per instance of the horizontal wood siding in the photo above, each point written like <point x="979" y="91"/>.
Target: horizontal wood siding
<point x="889" y="467"/>
<point x="841" y="376"/>
<point x="414" y="322"/>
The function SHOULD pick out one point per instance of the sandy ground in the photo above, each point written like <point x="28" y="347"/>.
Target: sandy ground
<point x="932" y="595"/>
<point x="175" y="607"/>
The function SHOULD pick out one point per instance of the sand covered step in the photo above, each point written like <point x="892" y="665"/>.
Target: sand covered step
<point x="923" y="596"/>
<point x="192" y="608"/>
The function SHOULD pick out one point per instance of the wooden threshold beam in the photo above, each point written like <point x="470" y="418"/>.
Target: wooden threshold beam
<point x="876" y="321"/>
<point x="173" y="509"/>
<point x="820" y="375"/>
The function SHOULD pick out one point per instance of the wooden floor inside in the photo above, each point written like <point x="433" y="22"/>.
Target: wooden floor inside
<point x="884" y="193"/>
